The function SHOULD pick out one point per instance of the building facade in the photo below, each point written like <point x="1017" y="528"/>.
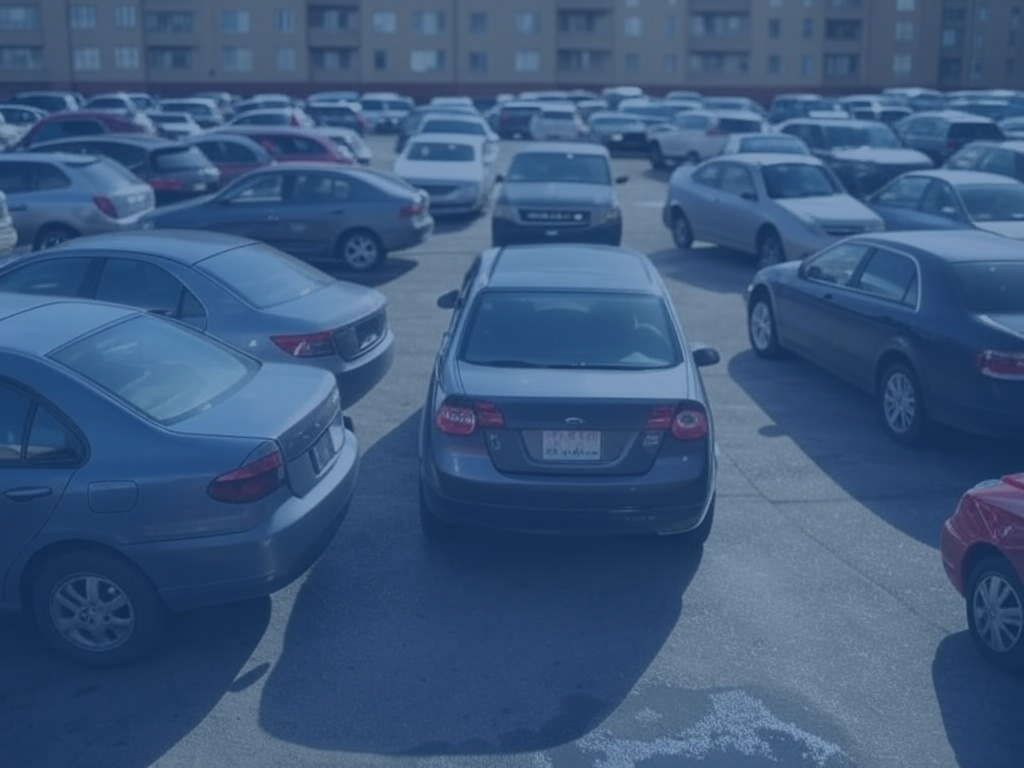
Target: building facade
<point x="480" y="47"/>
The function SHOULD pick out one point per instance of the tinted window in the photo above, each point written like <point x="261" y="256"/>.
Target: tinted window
<point x="291" y="145"/>
<point x="737" y="181"/>
<point x="709" y="175"/>
<point x="786" y="181"/>
<point x="860" y="136"/>
<point x="560" y="166"/>
<point x="1001" y="161"/>
<point x="992" y="287"/>
<point x="15" y="177"/>
<point x="106" y="174"/>
<point x="992" y="203"/>
<point x="14" y="408"/>
<point x="215" y="151"/>
<point x="47" y="277"/>
<point x="569" y="330"/>
<point x="139" y="284"/>
<point x="47" y="177"/>
<point x="903" y="193"/>
<point x="453" y="126"/>
<point x="319" y="188"/>
<point x="969" y="157"/>
<point x="891" y="276"/>
<point x="266" y="188"/>
<point x="732" y="125"/>
<point x="127" y="155"/>
<point x="692" y="122"/>
<point x="264" y="277"/>
<point x="157" y="367"/>
<point x="82" y="128"/>
<point x="973" y="131"/>
<point x="50" y="442"/>
<point x="773" y="144"/>
<point x="441" y="152"/>
<point x="836" y="265"/>
<point x="940" y="200"/>
<point x="179" y="159"/>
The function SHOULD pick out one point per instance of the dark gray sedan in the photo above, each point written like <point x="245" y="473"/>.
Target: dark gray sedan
<point x="147" y="468"/>
<point x="317" y="211"/>
<point x="265" y="302"/>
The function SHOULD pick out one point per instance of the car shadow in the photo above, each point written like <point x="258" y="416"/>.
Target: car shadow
<point x="453" y="223"/>
<point x="391" y="269"/>
<point x="53" y="712"/>
<point x="706" y="266"/>
<point x="488" y="645"/>
<point x="980" y="704"/>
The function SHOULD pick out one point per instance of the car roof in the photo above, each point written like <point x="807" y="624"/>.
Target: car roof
<point x="39" y="324"/>
<point x="762" y="159"/>
<point x="145" y="140"/>
<point x="951" y="244"/>
<point x="829" y="122"/>
<point x="67" y="158"/>
<point x="953" y="115"/>
<point x="575" y="267"/>
<point x="452" y="138"/>
<point x="570" y="147"/>
<point x="187" y="246"/>
<point x="956" y="177"/>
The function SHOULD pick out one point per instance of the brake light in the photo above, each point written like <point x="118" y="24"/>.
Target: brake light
<point x="105" y="205"/>
<point x="686" y="423"/>
<point x="166" y="184"/>
<point x="316" y="344"/>
<point x="661" y="417"/>
<point x="715" y="131"/>
<point x="250" y="483"/>
<point x="489" y="415"/>
<point x="460" y="417"/>
<point x="410" y="211"/>
<point x="1001" y="365"/>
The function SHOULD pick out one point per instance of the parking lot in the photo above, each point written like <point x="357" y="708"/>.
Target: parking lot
<point x="816" y="628"/>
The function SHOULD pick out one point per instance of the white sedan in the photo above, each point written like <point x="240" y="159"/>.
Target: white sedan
<point x="451" y="168"/>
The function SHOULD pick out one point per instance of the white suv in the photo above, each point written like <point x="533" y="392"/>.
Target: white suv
<point x="698" y="135"/>
<point x="558" y="122"/>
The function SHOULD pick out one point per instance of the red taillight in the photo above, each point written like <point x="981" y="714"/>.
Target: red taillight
<point x="685" y="423"/>
<point x="410" y="211"/>
<point x="171" y="185"/>
<point x="661" y="417"/>
<point x="1001" y="365"/>
<point x="306" y="344"/>
<point x="489" y="415"/>
<point x="715" y="132"/>
<point x="462" y="417"/>
<point x="106" y="206"/>
<point x="250" y="483"/>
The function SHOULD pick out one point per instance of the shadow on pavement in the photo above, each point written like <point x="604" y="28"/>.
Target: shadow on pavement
<point x="980" y="705"/>
<point x="53" y="712"/>
<point x="709" y="267"/>
<point x="447" y="224"/>
<point x="506" y="644"/>
<point x="393" y="268"/>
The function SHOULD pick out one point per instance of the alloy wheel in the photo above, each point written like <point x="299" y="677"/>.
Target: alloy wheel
<point x="998" y="613"/>
<point x="899" y="402"/>
<point x="92" y="612"/>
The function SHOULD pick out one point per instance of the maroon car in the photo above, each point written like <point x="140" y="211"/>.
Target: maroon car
<point x="233" y="155"/>
<point x="983" y="554"/>
<point x="82" y="122"/>
<point x="293" y="145"/>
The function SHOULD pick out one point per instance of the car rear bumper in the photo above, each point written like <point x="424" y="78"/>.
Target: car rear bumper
<point x="359" y="376"/>
<point x="398" y="239"/>
<point x="191" y="573"/>
<point x="505" y="232"/>
<point x="953" y="548"/>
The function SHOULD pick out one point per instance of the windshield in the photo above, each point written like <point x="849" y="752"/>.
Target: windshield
<point x="560" y="166"/>
<point x="991" y="203"/>
<point x="773" y="144"/>
<point x="880" y="136"/>
<point x="992" y="287"/>
<point x="569" y="329"/>
<point x="793" y="180"/>
<point x="439" y="152"/>
<point x="453" y="126"/>
<point x="158" y="368"/>
<point x="264" y="277"/>
<point x="179" y="159"/>
<point x="188" y="107"/>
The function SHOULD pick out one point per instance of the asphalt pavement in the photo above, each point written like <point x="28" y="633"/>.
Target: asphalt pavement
<point x="816" y="628"/>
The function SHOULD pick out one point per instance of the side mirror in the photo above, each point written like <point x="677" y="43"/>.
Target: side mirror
<point x="704" y="356"/>
<point x="621" y="179"/>
<point x="448" y="300"/>
<point x="810" y="272"/>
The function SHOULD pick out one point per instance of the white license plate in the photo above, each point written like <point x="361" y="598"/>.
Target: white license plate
<point x="571" y="445"/>
<point x="323" y="451"/>
<point x="199" y="187"/>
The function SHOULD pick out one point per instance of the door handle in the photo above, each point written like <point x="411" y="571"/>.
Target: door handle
<point x="27" y="494"/>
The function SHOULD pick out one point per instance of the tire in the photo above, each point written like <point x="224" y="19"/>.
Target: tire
<point x="52" y="235"/>
<point x="97" y="608"/>
<point x="995" y="613"/>
<point x="770" y="250"/>
<point x="360" y="250"/>
<point x="658" y="161"/>
<point x="434" y="528"/>
<point x="682" y="232"/>
<point x="761" y="329"/>
<point x="900" y="404"/>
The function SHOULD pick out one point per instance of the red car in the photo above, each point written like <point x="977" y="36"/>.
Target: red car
<point x="233" y="155"/>
<point x="983" y="554"/>
<point x="290" y="145"/>
<point x="76" y="124"/>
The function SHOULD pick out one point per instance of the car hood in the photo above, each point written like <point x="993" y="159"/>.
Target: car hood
<point x="1011" y="229"/>
<point x="831" y="208"/>
<point x="423" y="170"/>
<point x="487" y="381"/>
<point x="883" y="156"/>
<point x="555" y="193"/>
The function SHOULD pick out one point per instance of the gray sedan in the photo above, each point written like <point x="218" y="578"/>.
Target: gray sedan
<point x="265" y="302"/>
<point x="147" y="468"/>
<point x="313" y="210"/>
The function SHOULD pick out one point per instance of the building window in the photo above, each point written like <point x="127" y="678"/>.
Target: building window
<point x="284" y="20"/>
<point x="950" y="38"/>
<point x="982" y="13"/>
<point x="904" y="31"/>
<point x="385" y="22"/>
<point x="329" y="18"/>
<point x="719" y="63"/>
<point x="17" y="57"/>
<point x="632" y="62"/>
<point x="126" y="57"/>
<point x="904" y="5"/>
<point x="235" y="22"/>
<point x="633" y="26"/>
<point x="426" y="61"/>
<point x="808" y="29"/>
<point x="583" y="61"/>
<point x="478" y="61"/>
<point x="82" y="16"/>
<point x="774" y="28"/>
<point x="670" y="26"/>
<point x="807" y="66"/>
<point x="527" y="22"/>
<point x="774" y="64"/>
<point x="719" y="24"/>
<point x="380" y="60"/>
<point x="165" y="58"/>
<point x="234" y="59"/>
<point x="478" y="23"/>
<point x="125" y="17"/>
<point x="841" y="64"/>
<point x="527" y="61"/>
<point x="842" y="29"/>
<point x="170" y="22"/>
<point x="669" y="64"/>
<point x="902" y="64"/>
<point x="950" y="71"/>
<point x="284" y="60"/>
<point x="427" y="23"/>
<point x="85" y="59"/>
<point x="977" y="72"/>
<point x="18" y="17"/>
<point x="331" y="59"/>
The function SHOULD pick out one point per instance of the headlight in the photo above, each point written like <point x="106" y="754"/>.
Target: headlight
<point x="605" y="215"/>
<point x="810" y="222"/>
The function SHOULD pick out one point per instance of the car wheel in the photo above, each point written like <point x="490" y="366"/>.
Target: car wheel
<point x="682" y="233"/>
<point x="658" y="161"/>
<point x="53" y="235"/>
<point x="995" y="613"/>
<point x="761" y="329"/>
<point x="433" y="527"/>
<point x="360" y="250"/>
<point x="770" y="250"/>
<point x="97" y="608"/>
<point x="900" y="404"/>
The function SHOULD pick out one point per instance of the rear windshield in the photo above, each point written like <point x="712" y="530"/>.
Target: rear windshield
<point x="179" y="159"/>
<point x="264" y="277"/>
<point x="694" y="122"/>
<point x="733" y="125"/>
<point x="453" y="126"/>
<point x="994" y="203"/>
<point x="790" y="145"/>
<point x="158" y="368"/>
<point x="787" y="181"/>
<point x="441" y="152"/>
<point x="570" y="329"/>
<point x="106" y="174"/>
<point x="973" y="131"/>
<point x="992" y="287"/>
<point x="860" y="136"/>
<point x="184" y="106"/>
<point x="560" y="166"/>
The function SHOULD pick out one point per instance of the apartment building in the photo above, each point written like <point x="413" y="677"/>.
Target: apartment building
<point x="490" y="46"/>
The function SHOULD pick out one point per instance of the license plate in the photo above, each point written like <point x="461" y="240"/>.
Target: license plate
<point x="199" y="187"/>
<point x="323" y="451"/>
<point x="616" y="137"/>
<point x="571" y="445"/>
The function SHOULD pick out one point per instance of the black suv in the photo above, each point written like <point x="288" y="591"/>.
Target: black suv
<point x="1006" y="158"/>
<point x="941" y="134"/>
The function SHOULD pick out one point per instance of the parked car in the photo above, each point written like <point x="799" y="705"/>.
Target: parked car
<point x="231" y="154"/>
<point x="244" y="293"/>
<point x="63" y="125"/>
<point x="697" y="135"/>
<point x="778" y="207"/>
<point x="452" y="169"/>
<point x="983" y="559"/>
<point x="512" y="120"/>
<point x="293" y="145"/>
<point x="338" y="115"/>
<point x="384" y="111"/>
<point x="175" y="125"/>
<point x="761" y="143"/>
<point x="926" y="322"/>
<point x="263" y="101"/>
<point x="1005" y="158"/>
<point x="994" y="109"/>
<point x="469" y="125"/>
<point x="945" y="199"/>
<point x="918" y="99"/>
<point x="1012" y="127"/>
<point x="292" y="117"/>
<point x="55" y="197"/>
<point x="558" y="122"/>
<point x="223" y="101"/>
<point x="941" y="134"/>
<point x="174" y="170"/>
<point x="8" y="233"/>
<point x="611" y="432"/>
<point x="884" y="109"/>
<point x="9" y="134"/>
<point x="350" y="141"/>
<point x="865" y="155"/>
<point x="332" y="97"/>
<point x="787" y="106"/>
<point x="139" y="478"/>
<point x="47" y="101"/>
<point x="732" y="104"/>
<point x="205" y="112"/>
<point x="411" y="122"/>
<point x="21" y="115"/>
<point x="620" y="133"/>
<point x="556" y="192"/>
<point x="614" y="94"/>
<point x="351" y="215"/>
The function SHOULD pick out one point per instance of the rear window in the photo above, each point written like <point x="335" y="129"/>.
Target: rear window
<point x="264" y="277"/>
<point x="570" y="329"/>
<point x="693" y="122"/>
<point x="733" y="125"/>
<point x="193" y="109"/>
<point x="179" y="159"/>
<point x="453" y="126"/>
<point x="994" y="203"/>
<point x="790" y="145"/>
<point x="105" y="173"/>
<point x="972" y="131"/>
<point x="995" y="287"/>
<point x="436" y="151"/>
<point x="789" y="181"/>
<point x="163" y="370"/>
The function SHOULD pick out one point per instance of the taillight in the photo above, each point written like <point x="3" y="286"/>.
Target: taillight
<point x="410" y="211"/>
<point x="686" y="422"/>
<point x="1001" y="365"/>
<point x="661" y="417"/>
<point x="250" y="483"/>
<point x="315" y="344"/>
<point x="713" y="131"/>
<point x="106" y="206"/>
<point x="462" y="417"/>
<point x="166" y="184"/>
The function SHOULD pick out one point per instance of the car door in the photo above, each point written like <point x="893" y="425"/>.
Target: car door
<point x="699" y="198"/>
<point x="137" y="282"/>
<point x="736" y="218"/>
<point x="39" y="452"/>
<point x="898" y="203"/>
<point x="940" y="208"/>
<point x="54" y="276"/>
<point x="16" y="184"/>
<point x="251" y="208"/>
<point x="317" y="207"/>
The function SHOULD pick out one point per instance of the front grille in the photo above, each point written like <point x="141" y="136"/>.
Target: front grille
<point x="540" y="216"/>
<point x="360" y="337"/>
